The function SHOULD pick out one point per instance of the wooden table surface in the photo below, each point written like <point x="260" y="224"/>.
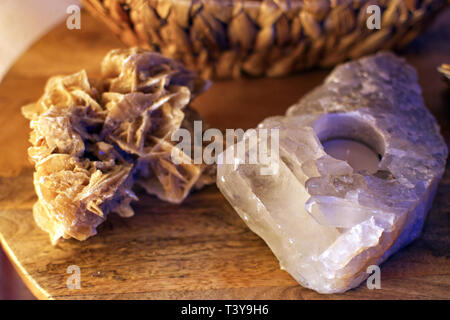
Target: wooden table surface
<point x="200" y="249"/>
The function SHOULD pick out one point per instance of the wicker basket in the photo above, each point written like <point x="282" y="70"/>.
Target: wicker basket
<point x="230" y="38"/>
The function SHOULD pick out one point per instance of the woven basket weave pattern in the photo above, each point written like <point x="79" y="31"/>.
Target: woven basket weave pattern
<point x="230" y="38"/>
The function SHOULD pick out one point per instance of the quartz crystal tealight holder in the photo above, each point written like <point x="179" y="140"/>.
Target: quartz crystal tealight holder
<point x="325" y="220"/>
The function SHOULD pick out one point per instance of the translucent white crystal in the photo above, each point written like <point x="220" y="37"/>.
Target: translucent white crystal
<point x="326" y="222"/>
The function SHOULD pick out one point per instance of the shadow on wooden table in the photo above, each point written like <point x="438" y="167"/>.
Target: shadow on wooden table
<point x="11" y="286"/>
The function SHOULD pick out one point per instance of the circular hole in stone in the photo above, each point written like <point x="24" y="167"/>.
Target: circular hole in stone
<point x="348" y="137"/>
<point x="356" y="154"/>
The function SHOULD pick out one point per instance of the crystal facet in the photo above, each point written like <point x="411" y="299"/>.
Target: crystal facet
<point x="325" y="221"/>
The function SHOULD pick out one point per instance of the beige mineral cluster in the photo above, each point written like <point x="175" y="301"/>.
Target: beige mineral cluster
<point x="325" y="221"/>
<point x="93" y="139"/>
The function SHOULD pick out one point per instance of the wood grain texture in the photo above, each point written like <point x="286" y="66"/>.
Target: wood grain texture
<point x="200" y="249"/>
